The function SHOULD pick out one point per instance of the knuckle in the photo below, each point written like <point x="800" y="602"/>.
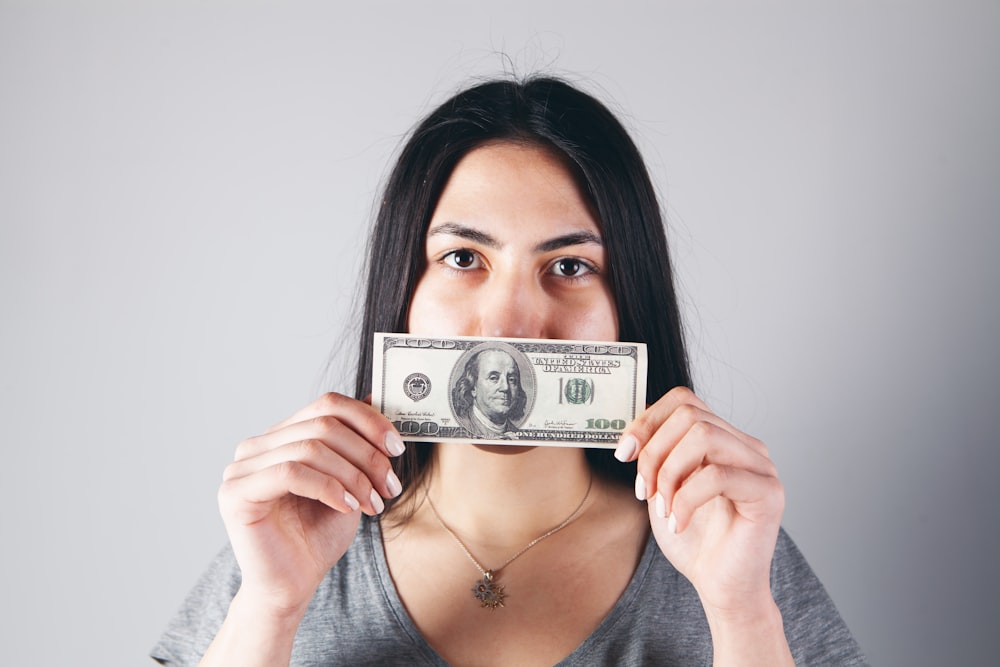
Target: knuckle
<point x="288" y="471"/>
<point x="682" y="394"/>
<point x="227" y="497"/>
<point x="665" y="479"/>
<point x="332" y="488"/>
<point x="718" y="474"/>
<point x="330" y="400"/>
<point x="305" y="450"/>
<point x="643" y="419"/>
<point x="229" y="472"/>
<point x="689" y="413"/>
<point x="679" y="505"/>
<point x="244" y="449"/>
<point x="759" y="445"/>
<point x="778" y="492"/>
<point x="702" y="429"/>
<point x="374" y="459"/>
<point x="375" y="420"/>
<point x="646" y="459"/>
<point x="358" y="480"/>
<point x="326" y="422"/>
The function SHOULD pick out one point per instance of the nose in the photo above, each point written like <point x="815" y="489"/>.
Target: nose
<point x="512" y="306"/>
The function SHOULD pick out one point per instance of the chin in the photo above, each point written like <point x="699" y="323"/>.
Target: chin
<point x="505" y="449"/>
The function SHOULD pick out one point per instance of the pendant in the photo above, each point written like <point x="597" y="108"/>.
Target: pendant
<point x="488" y="592"/>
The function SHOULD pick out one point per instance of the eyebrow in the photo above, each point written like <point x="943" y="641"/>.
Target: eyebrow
<point x="566" y="240"/>
<point x="467" y="233"/>
<point x="482" y="238"/>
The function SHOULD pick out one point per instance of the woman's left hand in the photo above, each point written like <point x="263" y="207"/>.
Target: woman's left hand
<point x="715" y="501"/>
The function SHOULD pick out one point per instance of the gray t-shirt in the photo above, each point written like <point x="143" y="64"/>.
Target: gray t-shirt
<point x="356" y="617"/>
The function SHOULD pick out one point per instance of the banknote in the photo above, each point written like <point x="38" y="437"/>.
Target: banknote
<point x="508" y="391"/>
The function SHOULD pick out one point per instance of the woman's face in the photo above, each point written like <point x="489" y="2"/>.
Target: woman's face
<point x="513" y="251"/>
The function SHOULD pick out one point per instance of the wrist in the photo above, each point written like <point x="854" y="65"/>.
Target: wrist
<point x="254" y="633"/>
<point x="749" y="635"/>
<point x="760" y="613"/>
<point x="257" y="607"/>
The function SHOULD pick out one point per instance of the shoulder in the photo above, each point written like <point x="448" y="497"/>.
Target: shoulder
<point x="815" y="630"/>
<point x="195" y="624"/>
<point x="660" y="597"/>
<point x="355" y="597"/>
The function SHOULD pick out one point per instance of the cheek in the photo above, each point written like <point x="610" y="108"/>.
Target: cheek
<point x="434" y="310"/>
<point x="595" y="319"/>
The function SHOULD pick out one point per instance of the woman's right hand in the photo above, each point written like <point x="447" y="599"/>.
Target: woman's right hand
<point x="291" y="499"/>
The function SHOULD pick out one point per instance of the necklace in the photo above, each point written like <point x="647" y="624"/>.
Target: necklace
<point x="487" y="590"/>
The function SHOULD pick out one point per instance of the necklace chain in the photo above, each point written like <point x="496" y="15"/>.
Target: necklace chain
<point x="489" y="593"/>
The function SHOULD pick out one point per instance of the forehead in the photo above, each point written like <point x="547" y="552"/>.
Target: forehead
<point x="496" y="359"/>
<point x="514" y="186"/>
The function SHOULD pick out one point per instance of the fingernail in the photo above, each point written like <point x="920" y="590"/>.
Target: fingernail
<point x="626" y="448"/>
<point x="661" y="506"/>
<point x="394" y="444"/>
<point x="391" y="481"/>
<point x="640" y="487"/>
<point x="351" y="501"/>
<point x="672" y="524"/>
<point x="377" y="502"/>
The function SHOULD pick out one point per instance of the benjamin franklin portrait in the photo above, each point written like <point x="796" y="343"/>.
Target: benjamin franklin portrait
<point x="491" y="389"/>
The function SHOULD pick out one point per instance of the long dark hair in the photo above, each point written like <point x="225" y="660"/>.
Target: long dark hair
<point x="549" y="113"/>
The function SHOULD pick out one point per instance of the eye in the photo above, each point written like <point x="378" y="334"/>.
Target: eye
<point x="463" y="258"/>
<point x="571" y="267"/>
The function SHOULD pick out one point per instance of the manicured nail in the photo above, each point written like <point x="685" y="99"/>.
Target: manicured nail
<point x="392" y="482"/>
<point x="672" y="524"/>
<point x="394" y="444"/>
<point x="661" y="506"/>
<point x="377" y="502"/>
<point x="626" y="448"/>
<point x="640" y="487"/>
<point x="351" y="501"/>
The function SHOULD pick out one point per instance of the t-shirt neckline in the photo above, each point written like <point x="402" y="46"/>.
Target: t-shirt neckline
<point x="372" y="528"/>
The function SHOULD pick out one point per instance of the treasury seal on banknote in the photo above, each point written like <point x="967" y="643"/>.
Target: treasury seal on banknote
<point x="416" y="386"/>
<point x="492" y="390"/>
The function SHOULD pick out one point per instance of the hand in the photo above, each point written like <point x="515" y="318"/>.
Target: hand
<point x="715" y="501"/>
<point x="291" y="498"/>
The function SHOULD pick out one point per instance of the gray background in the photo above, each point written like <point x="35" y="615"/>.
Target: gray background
<point x="184" y="190"/>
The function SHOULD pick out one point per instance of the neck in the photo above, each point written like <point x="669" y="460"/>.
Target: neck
<point x="502" y="496"/>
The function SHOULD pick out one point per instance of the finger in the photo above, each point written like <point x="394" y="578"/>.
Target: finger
<point x="646" y="424"/>
<point x="678" y="425"/>
<point x="341" y="452"/>
<point x="248" y="498"/>
<point x="686" y="421"/>
<point x="681" y="406"/>
<point x="665" y="465"/>
<point x="753" y="495"/>
<point x="325" y="427"/>
<point x="359" y="416"/>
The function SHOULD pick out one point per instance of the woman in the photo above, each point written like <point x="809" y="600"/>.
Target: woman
<point x="516" y="209"/>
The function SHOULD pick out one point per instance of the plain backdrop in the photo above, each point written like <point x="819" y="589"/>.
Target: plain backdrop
<point x="184" y="193"/>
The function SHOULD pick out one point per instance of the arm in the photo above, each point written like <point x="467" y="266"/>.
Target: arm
<point x="715" y="505"/>
<point x="251" y="638"/>
<point x="290" y="501"/>
<point x="749" y="637"/>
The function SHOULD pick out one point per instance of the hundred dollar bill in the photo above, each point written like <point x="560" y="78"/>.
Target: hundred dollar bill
<point x="509" y="391"/>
